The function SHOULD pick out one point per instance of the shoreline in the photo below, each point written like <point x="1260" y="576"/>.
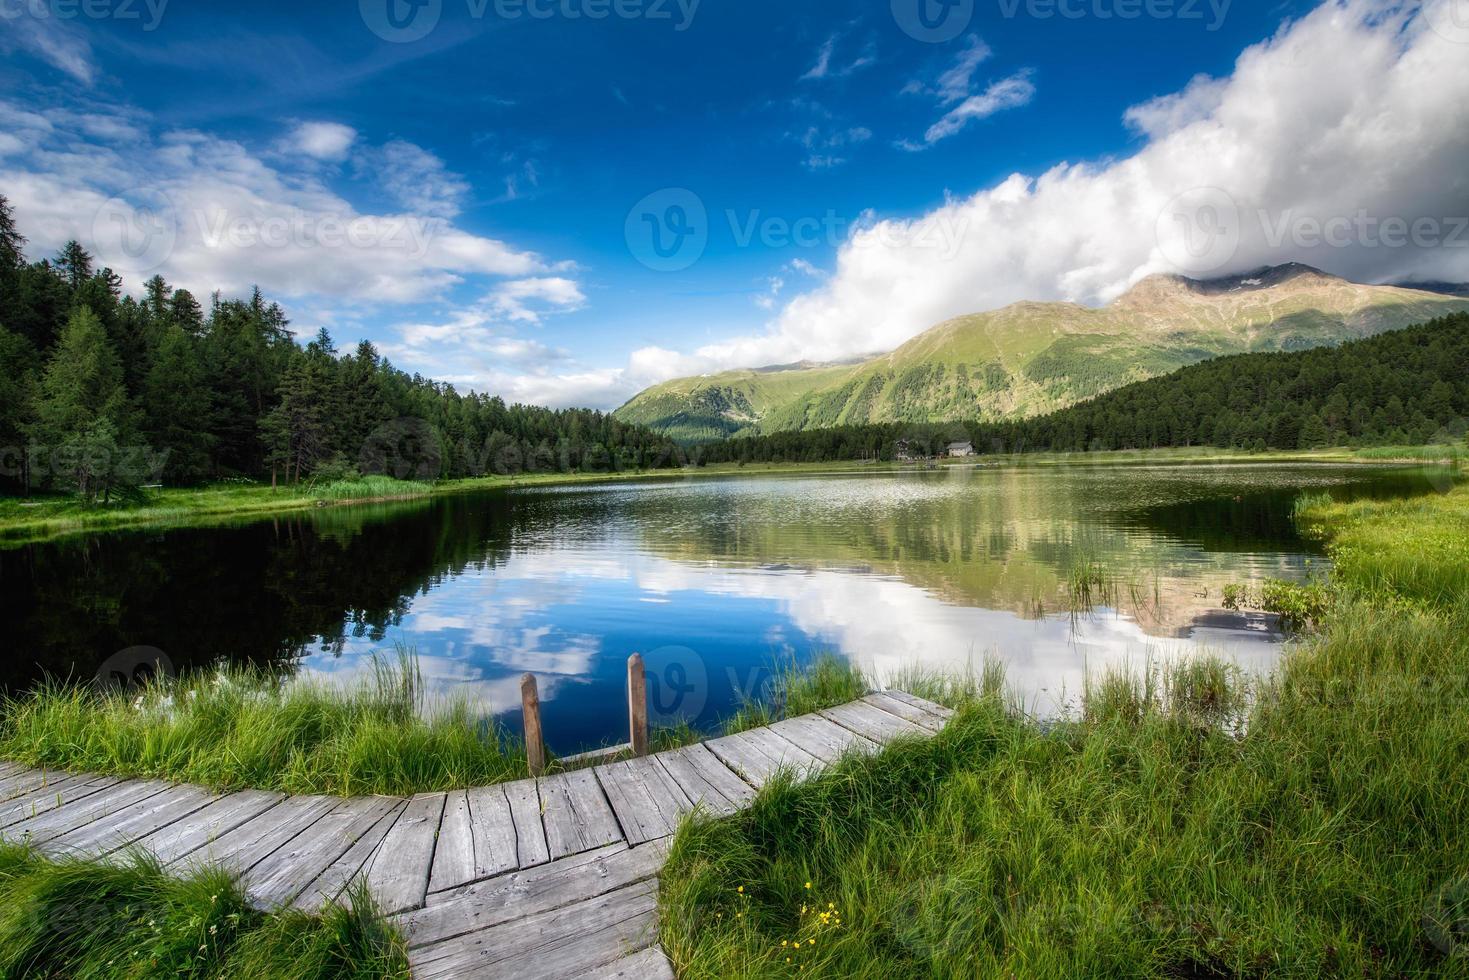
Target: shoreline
<point x="34" y="521"/>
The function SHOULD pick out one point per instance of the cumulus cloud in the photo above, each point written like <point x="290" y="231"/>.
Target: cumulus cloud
<point x="1296" y="131"/>
<point x="322" y="140"/>
<point x="208" y="213"/>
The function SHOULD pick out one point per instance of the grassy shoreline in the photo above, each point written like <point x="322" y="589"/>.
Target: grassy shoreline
<point x="236" y="728"/>
<point x="45" y="518"/>
<point x="1308" y="824"/>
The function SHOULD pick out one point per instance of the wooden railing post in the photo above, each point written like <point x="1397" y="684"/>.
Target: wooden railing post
<point x="530" y="708"/>
<point x="637" y="705"/>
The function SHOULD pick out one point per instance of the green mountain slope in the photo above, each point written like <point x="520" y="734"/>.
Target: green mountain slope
<point x="1031" y="358"/>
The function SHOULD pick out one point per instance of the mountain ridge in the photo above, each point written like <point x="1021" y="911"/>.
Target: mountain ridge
<point x="1032" y="357"/>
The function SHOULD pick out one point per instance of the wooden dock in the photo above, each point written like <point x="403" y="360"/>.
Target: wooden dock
<point x="553" y="877"/>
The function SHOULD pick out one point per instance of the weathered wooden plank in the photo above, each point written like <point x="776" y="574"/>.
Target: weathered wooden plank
<point x="908" y="712"/>
<point x="822" y="738"/>
<point x="454" y="853"/>
<point x="744" y="757"/>
<point x="51" y="796"/>
<point x="669" y="801"/>
<point x="524" y="797"/>
<point x="398" y="873"/>
<point x="495" y="847"/>
<point x="341" y="873"/>
<point x="79" y="813"/>
<point x="870" y="722"/>
<point x="932" y="707"/>
<point x="285" y="873"/>
<point x="36" y="781"/>
<point x="649" y="964"/>
<point x="247" y="844"/>
<point x="785" y="753"/>
<point x="550" y="944"/>
<point x="519" y="894"/>
<point x="705" y="780"/>
<point x="641" y="815"/>
<point x="577" y="814"/>
<point x="201" y="828"/>
<point x="121" y="828"/>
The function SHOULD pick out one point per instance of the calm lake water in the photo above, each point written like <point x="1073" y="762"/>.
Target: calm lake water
<point x="713" y="579"/>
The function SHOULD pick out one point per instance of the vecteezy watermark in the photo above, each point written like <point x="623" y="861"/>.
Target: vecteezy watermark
<point x="148" y="13"/>
<point x="1200" y="231"/>
<point x="1446" y="919"/>
<point x="1449" y="19"/>
<point x="669" y="231"/>
<point x="678" y="685"/>
<point x="146" y="228"/>
<point x="405" y="21"/>
<point x="129" y="465"/>
<point x="133" y="668"/>
<point x="1210" y="12"/>
<point x="406" y="449"/>
<point x="933" y="21"/>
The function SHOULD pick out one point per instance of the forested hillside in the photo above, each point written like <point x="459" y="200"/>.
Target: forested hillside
<point x="1032" y="358"/>
<point x="1405" y="387"/>
<point x="101" y="391"/>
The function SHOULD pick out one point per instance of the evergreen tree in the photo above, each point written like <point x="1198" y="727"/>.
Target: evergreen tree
<point x="82" y="409"/>
<point x="177" y="404"/>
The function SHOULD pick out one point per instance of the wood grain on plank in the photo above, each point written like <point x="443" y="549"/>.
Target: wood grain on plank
<point x="906" y="711"/>
<point x="345" y="871"/>
<point x="873" y="723"/>
<point x="280" y="876"/>
<point x="525" y="811"/>
<point x="399" y="872"/>
<point x="203" y="827"/>
<point x="522" y="893"/>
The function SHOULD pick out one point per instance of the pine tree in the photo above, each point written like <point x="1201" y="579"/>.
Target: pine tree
<point x="177" y="407"/>
<point x="82" y="409"/>
<point x="17" y="367"/>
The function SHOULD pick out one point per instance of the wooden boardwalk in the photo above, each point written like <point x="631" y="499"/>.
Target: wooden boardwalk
<point x="553" y="877"/>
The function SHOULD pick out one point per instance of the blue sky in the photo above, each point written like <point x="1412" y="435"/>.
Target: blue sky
<point x="518" y="149"/>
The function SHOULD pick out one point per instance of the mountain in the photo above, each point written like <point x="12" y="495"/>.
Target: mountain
<point x="1031" y="358"/>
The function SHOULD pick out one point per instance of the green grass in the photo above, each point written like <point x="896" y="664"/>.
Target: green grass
<point x="79" y="919"/>
<point x="236" y="727"/>
<point x="798" y="690"/>
<point x="1186" y="824"/>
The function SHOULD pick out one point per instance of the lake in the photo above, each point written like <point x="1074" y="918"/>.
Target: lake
<point x="715" y="580"/>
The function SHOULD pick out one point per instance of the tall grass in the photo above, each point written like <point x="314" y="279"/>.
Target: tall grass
<point x="128" y="919"/>
<point x="796" y="689"/>
<point x="370" y="488"/>
<point x="239" y="727"/>
<point x="1185" y="825"/>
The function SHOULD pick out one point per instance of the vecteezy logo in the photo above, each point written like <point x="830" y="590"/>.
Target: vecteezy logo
<point x="933" y="21"/>
<point x="1446" y="919"/>
<point x="668" y="230"/>
<point x="401" y="21"/>
<point x="1449" y="19"/>
<point x="678" y="685"/>
<point x="406" y="449"/>
<point x="133" y="668"/>
<point x="142" y="233"/>
<point x="1199" y="230"/>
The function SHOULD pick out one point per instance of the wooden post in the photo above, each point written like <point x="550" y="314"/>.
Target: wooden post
<point x="637" y="705"/>
<point x="530" y="709"/>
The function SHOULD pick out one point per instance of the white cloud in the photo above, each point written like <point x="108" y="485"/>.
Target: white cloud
<point x="955" y="83"/>
<point x="823" y="62"/>
<point x="418" y="180"/>
<point x="235" y="220"/>
<point x="1007" y="93"/>
<point x="514" y="300"/>
<point x="53" y="41"/>
<point x="1295" y="129"/>
<point x="322" y="140"/>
